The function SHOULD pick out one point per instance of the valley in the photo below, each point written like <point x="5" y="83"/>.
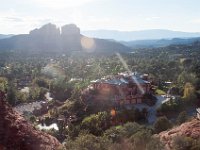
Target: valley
<point x="74" y="95"/>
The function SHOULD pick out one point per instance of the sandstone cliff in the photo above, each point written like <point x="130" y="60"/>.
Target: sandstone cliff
<point x="18" y="134"/>
<point x="188" y="129"/>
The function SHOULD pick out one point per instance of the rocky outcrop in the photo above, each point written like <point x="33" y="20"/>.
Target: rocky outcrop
<point x="46" y="38"/>
<point x="18" y="134"/>
<point x="70" y="29"/>
<point x="46" y="30"/>
<point x="70" y="38"/>
<point x="188" y="129"/>
<point x="49" y="38"/>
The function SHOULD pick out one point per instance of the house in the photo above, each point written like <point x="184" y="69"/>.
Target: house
<point x="124" y="88"/>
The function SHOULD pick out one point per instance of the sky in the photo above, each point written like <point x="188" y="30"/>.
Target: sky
<point x="21" y="16"/>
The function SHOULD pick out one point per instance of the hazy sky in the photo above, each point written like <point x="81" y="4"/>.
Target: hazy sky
<point x="20" y="16"/>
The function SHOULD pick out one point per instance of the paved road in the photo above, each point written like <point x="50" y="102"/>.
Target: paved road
<point x="152" y="110"/>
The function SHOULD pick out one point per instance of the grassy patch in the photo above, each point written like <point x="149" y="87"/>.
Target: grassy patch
<point x="160" y="92"/>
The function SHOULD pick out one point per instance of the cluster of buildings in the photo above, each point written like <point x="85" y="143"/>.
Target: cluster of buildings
<point x="124" y="88"/>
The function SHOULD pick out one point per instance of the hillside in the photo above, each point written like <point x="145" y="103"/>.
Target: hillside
<point x="160" y="43"/>
<point x="16" y="133"/>
<point x="188" y="129"/>
<point x="49" y="38"/>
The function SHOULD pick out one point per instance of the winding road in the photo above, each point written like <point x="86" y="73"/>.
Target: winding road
<point x="152" y="110"/>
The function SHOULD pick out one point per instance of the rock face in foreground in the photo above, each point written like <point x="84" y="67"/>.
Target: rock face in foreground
<point x="189" y="129"/>
<point x="17" y="134"/>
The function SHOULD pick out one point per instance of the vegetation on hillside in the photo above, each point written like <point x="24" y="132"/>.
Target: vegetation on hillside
<point x="97" y="124"/>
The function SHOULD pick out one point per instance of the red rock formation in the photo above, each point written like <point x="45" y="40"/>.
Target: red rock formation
<point x="189" y="129"/>
<point x="18" y="134"/>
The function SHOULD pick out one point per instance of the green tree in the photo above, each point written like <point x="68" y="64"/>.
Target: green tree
<point x="3" y="84"/>
<point x="124" y="144"/>
<point x="182" y="117"/>
<point x="96" y="123"/>
<point x="11" y="95"/>
<point x="22" y="96"/>
<point x="88" y="142"/>
<point x="162" y="124"/>
<point x="114" y="133"/>
<point x="182" y="143"/>
<point x="189" y="93"/>
<point x="73" y="131"/>
<point x="34" y="93"/>
<point x="154" y="144"/>
<point x="32" y="119"/>
<point x="41" y="82"/>
<point x="141" y="138"/>
<point x="130" y="128"/>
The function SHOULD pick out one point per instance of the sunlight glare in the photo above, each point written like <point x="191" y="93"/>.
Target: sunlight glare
<point x="88" y="44"/>
<point x="129" y="71"/>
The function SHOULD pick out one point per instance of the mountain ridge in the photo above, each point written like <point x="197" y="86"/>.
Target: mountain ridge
<point x="150" y="34"/>
<point x="160" y="42"/>
<point x="49" y="38"/>
<point x="4" y="36"/>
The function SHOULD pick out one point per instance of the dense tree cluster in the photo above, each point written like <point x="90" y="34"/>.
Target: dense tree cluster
<point x="130" y="136"/>
<point x="99" y="124"/>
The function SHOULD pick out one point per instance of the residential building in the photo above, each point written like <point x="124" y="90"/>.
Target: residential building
<point x="124" y="88"/>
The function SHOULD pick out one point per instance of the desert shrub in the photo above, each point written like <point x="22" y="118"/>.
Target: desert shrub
<point x="162" y="124"/>
<point x="182" y="117"/>
<point x="88" y="142"/>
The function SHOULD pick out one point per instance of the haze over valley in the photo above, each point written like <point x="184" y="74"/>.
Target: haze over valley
<point x="99" y="75"/>
<point x="153" y="34"/>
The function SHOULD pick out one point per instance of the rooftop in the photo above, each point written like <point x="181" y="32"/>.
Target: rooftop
<point x="124" y="78"/>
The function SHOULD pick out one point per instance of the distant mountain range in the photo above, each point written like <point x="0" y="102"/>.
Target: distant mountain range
<point x="49" y="38"/>
<point x="146" y="38"/>
<point x="3" y="36"/>
<point x="160" y="43"/>
<point x="139" y="35"/>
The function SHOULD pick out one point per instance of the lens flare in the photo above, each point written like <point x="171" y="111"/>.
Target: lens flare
<point x="129" y="71"/>
<point x="113" y="112"/>
<point x="88" y="44"/>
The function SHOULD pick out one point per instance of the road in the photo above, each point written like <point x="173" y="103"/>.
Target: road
<point x="152" y="110"/>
